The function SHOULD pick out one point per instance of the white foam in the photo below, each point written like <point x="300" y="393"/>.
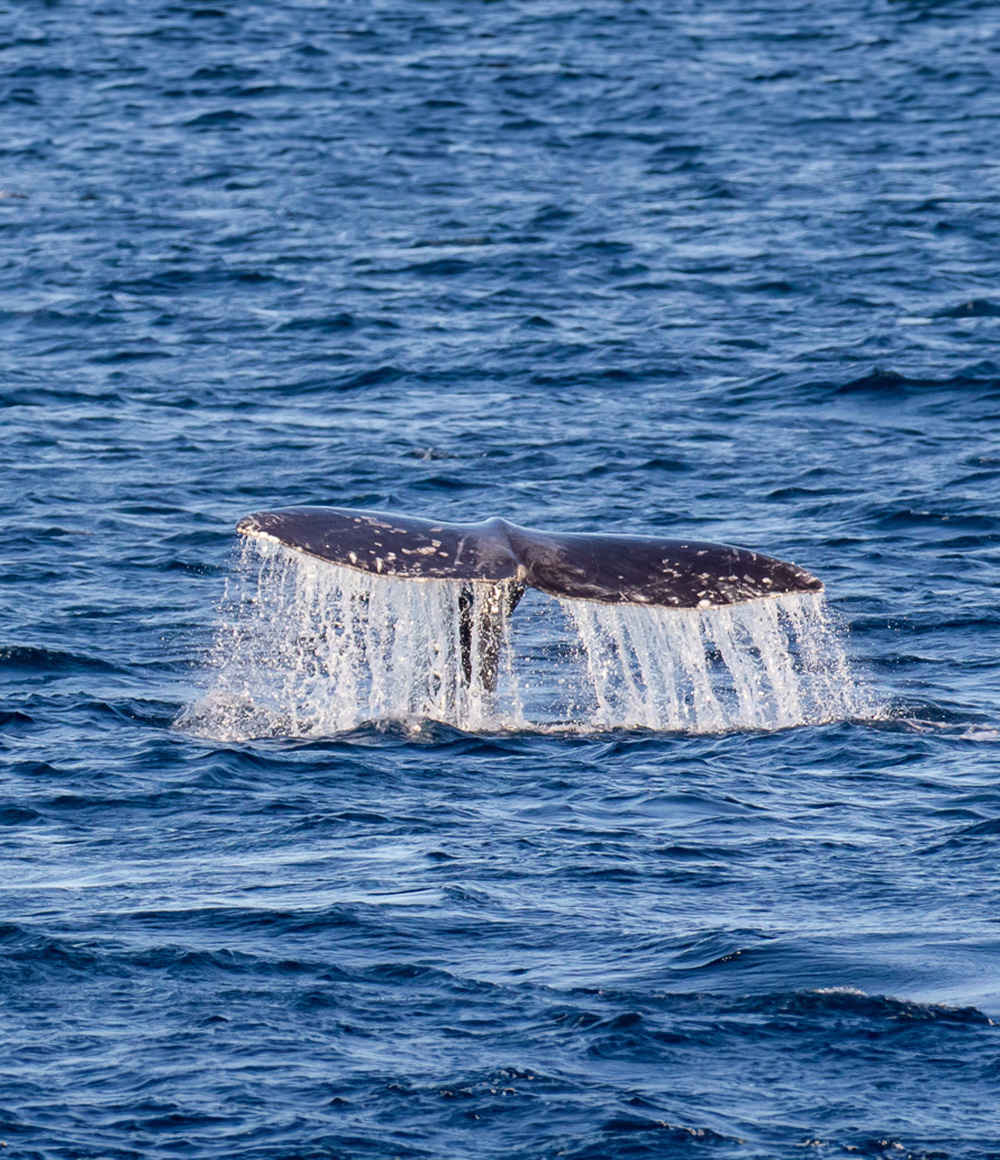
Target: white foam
<point x="308" y="649"/>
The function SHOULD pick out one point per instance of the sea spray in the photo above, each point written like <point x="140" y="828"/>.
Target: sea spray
<point x="766" y="664"/>
<point x="307" y="649"/>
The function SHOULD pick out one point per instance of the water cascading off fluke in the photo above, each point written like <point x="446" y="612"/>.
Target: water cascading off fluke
<point x="347" y="617"/>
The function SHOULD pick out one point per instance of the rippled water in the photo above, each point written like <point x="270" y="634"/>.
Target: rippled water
<point x="716" y="270"/>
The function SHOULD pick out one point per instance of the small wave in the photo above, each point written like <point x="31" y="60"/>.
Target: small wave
<point x="17" y="815"/>
<point x="133" y="355"/>
<point x="662" y="1130"/>
<point x="226" y="118"/>
<point x="849" y="1001"/>
<point x="41" y="396"/>
<point x="321" y="324"/>
<point x="457" y="242"/>
<point x="23" y="947"/>
<point x="883" y="381"/>
<point x="974" y="308"/>
<point x="967" y="837"/>
<point x="12" y="718"/>
<point x="38" y="659"/>
<point x="179" y="279"/>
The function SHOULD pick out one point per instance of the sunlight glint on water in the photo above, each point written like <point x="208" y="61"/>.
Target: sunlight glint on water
<point x="308" y="649"/>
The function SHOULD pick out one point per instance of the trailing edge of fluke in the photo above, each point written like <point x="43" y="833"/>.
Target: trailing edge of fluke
<point x="611" y="569"/>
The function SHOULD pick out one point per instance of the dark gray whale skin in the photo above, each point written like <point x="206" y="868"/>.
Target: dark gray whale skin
<point x="611" y="569"/>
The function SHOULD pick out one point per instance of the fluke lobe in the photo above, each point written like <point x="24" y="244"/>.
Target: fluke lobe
<point x="642" y="570"/>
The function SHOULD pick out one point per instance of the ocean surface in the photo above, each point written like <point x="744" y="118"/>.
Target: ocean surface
<point x="719" y="269"/>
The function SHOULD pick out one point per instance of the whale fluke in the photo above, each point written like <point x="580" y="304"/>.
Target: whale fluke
<point x="610" y="569"/>
<point x="495" y="561"/>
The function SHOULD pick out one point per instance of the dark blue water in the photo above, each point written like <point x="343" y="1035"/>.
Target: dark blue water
<point x="704" y="267"/>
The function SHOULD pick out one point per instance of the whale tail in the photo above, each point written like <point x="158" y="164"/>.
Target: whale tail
<point x="496" y="561"/>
